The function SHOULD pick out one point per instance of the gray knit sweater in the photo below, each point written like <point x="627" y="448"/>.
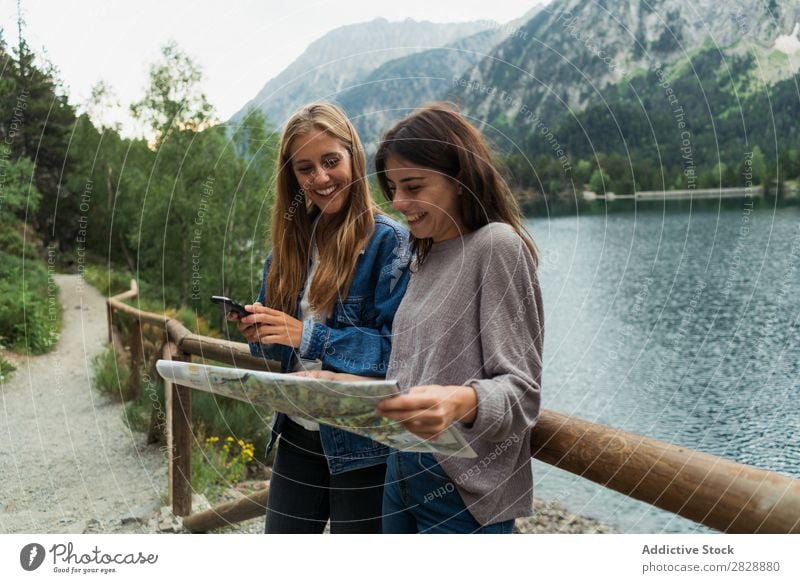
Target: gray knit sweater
<point x="472" y="315"/>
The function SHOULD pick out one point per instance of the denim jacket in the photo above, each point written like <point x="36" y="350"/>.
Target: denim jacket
<point x="355" y="339"/>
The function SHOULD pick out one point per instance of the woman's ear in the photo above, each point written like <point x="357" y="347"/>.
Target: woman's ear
<point x="458" y="182"/>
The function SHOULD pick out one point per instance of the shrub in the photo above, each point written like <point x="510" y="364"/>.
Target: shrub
<point x="30" y="309"/>
<point x="214" y="415"/>
<point x="106" y="279"/>
<point x="11" y="242"/>
<point x="219" y="463"/>
<point x="111" y="373"/>
<point x="6" y="368"/>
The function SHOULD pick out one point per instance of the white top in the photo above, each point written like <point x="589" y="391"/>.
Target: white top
<point x="307" y="312"/>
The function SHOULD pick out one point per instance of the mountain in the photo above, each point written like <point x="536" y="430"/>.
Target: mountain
<point x="399" y="86"/>
<point x="636" y="94"/>
<point x="394" y="89"/>
<point x="346" y="55"/>
<point x="573" y="49"/>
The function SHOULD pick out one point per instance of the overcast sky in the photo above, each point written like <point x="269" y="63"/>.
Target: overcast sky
<point x="240" y="44"/>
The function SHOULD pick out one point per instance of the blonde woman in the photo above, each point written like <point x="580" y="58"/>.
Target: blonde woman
<point x="330" y="288"/>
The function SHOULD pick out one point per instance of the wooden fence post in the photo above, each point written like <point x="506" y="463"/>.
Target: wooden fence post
<point x="110" y="318"/>
<point x="179" y="438"/>
<point x="158" y="419"/>
<point x="228" y="513"/>
<point x="134" y="388"/>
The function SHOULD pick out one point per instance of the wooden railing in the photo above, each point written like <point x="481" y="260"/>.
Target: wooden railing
<point x="712" y="491"/>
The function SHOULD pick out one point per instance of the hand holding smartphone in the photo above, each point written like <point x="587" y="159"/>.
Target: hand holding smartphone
<point x="230" y="306"/>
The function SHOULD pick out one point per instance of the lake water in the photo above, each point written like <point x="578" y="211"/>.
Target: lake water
<point x="681" y="326"/>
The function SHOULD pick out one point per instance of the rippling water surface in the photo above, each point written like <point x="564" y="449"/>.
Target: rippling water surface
<point x="682" y="326"/>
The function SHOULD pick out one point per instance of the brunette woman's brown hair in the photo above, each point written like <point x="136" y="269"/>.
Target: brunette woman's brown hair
<point x="439" y="138"/>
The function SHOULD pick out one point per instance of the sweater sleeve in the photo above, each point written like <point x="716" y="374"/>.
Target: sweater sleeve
<point x="511" y="337"/>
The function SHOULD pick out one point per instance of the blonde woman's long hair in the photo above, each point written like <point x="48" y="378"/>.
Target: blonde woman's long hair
<point x="340" y="240"/>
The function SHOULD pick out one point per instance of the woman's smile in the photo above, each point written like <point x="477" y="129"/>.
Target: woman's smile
<point x="322" y="166"/>
<point x="415" y="217"/>
<point x="415" y="188"/>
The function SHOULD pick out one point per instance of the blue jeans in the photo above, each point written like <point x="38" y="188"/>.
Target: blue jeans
<point x="419" y="497"/>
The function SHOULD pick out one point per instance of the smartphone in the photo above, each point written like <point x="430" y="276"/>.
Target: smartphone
<point x="230" y="305"/>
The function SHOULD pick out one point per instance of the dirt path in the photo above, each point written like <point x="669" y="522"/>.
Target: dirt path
<point x="69" y="463"/>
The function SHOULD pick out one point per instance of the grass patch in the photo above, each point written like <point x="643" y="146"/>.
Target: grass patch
<point x="106" y="279"/>
<point x="30" y="307"/>
<point x="111" y="373"/>
<point x="6" y="368"/>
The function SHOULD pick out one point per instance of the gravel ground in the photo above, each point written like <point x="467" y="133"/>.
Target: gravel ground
<point x="69" y="463"/>
<point x="548" y="517"/>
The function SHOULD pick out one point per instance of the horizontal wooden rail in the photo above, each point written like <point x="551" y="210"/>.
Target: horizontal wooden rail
<point x="245" y="508"/>
<point x="718" y="493"/>
<point x="233" y="353"/>
<point x="713" y="491"/>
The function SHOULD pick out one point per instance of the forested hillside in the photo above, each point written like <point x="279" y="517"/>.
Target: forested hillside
<point x="696" y="124"/>
<point x="186" y="214"/>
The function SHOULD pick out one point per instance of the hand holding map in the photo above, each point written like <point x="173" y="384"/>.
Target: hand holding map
<point x="348" y="405"/>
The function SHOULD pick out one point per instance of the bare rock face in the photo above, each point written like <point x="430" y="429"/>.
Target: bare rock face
<point x="553" y="61"/>
<point x="572" y="49"/>
<point x="344" y="57"/>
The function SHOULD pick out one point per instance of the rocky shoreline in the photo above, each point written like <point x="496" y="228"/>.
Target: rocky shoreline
<point x="551" y="517"/>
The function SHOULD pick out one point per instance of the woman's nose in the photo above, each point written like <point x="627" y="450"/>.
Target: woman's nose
<point x="319" y="176"/>
<point x="399" y="203"/>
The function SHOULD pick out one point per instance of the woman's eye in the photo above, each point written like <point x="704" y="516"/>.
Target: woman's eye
<point x="330" y="162"/>
<point x="413" y="188"/>
<point x="304" y="170"/>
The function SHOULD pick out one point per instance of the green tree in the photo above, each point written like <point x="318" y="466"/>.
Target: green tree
<point x="100" y="106"/>
<point x="599" y="181"/>
<point x="19" y="194"/>
<point x="35" y="122"/>
<point x="172" y="100"/>
<point x="715" y="177"/>
<point x="204" y="208"/>
<point x="759" y="166"/>
<point x="110" y="175"/>
<point x="582" y="173"/>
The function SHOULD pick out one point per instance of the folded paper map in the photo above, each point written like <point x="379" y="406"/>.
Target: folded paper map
<point x="348" y="405"/>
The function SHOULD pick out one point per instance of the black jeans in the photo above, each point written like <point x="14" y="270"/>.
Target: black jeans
<point x="303" y="494"/>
